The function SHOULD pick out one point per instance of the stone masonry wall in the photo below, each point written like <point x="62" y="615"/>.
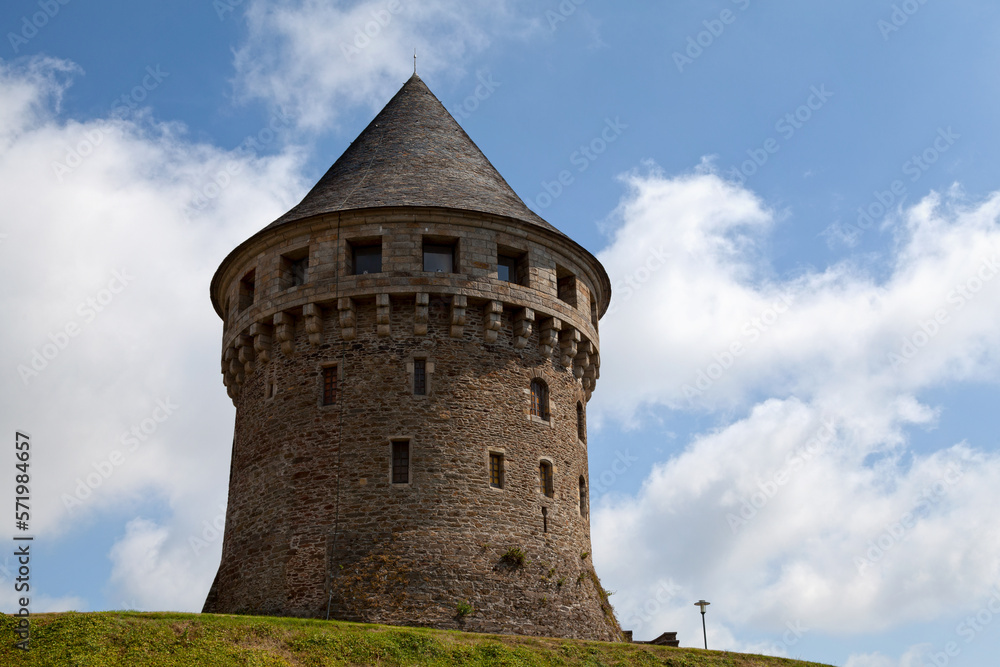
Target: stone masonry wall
<point x="314" y="522"/>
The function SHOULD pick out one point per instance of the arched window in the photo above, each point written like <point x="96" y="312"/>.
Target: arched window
<point x="545" y="479"/>
<point x="581" y="424"/>
<point x="583" y="496"/>
<point x="539" y="399"/>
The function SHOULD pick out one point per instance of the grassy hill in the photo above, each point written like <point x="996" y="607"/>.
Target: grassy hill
<point x="138" y="639"/>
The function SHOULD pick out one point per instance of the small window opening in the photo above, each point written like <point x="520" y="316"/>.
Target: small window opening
<point x="247" y="290"/>
<point x="581" y="422"/>
<point x="545" y="479"/>
<point x="511" y="265"/>
<point x="401" y="462"/>
<point x="583" y="496"/>
<point x="272" y="390"/>
<point x="539" y="399"/>
<point x="439" y="258"/>
<point x="367" y="258"/>
<point x="566" y="282"/>
<point x="420" y="377"/>
<point x="496" y="470"/>
<point x="294" y="267"/>
<point x="329" y="385"/>
<point x="593" y="311"/>
<point x="545" y="519"/>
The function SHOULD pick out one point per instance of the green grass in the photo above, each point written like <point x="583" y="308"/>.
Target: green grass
<point x="139" y="639"/>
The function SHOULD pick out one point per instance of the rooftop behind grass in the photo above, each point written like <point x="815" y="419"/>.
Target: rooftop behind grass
<point x="140" y="639"/>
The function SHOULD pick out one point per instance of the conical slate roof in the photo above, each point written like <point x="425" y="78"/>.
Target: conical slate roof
<point x="413" y="154"/>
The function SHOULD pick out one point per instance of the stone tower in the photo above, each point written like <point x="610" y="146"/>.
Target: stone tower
<point x="410" y="351"/>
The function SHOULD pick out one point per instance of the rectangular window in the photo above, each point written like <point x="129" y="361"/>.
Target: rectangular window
<point x="566" y="282"/>
<point x="401" y="462"/>
<point x="507" y="268"/>
<point x="247" y="290"/>
<point x="293" y="267"/>
<point x="496" y="470"/>
<point x="420" y="377"/>
<point x="329" y="385"/>
<point x="367" y="258"/>
<point x="439" y="258"/>
<point x="545" y="478"/>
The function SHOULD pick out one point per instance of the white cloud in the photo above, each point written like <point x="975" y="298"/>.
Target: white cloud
<point x="780" y="519"/>
<point x="154" y="567"/>
<point x="314" y="59"/>
<point x="106" y="269"/>
<point x="913" y="657"/>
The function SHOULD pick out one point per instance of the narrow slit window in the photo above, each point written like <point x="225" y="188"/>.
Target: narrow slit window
<point x="496" y="470"/>
<point x="581" y="422"/>
<point x="539" y="399"/>
<point x="545" y="519"/>
<point x="583" y="496"/>
<point x="420" y="377"/>
<point x="545" y="479"/>
<point x="329" y="385"/>
<point x="401" y="462"/>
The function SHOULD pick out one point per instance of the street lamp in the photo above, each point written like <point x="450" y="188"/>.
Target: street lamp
<point x="703" y="604"/>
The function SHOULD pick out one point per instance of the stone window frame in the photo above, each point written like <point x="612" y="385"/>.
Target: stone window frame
<point x="581" y="422"/>
<point x="566" y="289"/>
<point x="246" y="290"/>
<point x="321" y="368"/>
<point x="490" y="453"/>
<point x="521" y="258"/>
<point x="550" y="421"/>
<point x="270" y="385"/>
<point x="454" y="242"/>
<point x="549" y="492"/>
<point x="583" y="504"/>
<point x="287" y="261"/>
<point x="364" y="242"/>
<point x="429" y="366"/>
<point x="408" y="439"/>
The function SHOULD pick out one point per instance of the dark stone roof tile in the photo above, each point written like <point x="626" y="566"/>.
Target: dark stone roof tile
<point x="413" y="153"/>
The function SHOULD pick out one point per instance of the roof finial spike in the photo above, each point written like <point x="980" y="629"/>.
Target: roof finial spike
<point x="414" y="61"/>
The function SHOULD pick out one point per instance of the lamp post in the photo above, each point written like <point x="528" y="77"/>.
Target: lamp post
<point x="704" y="633"/>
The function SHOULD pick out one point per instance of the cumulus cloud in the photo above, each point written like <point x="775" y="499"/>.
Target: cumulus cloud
<point x="805" y="508"/>
<point x="314" y="59"/>
<point x="112" y="344"/>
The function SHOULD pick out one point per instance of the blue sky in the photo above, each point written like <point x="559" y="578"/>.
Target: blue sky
<point x="814" y="184"/>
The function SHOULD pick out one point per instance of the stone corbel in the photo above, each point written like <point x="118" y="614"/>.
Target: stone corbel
<point x="458" y="305"/>
<point x="420" y="314"/>
<point x="568" y="340"/>
<point x="244" y="345"/>
<point x="383" y="312"/>
<point x="549" y="335"/>
<point x="524" y="318"/>
<point x="492" y="319"/>
<point x="348" y="318"/>
<point x="284" y="331"/>
<point x="582" y="360"/>
<point x="228" y="378"/>
<point x="236" y="371"/>
<point x="314" y="323"/>
<point x="261" y="341"/>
